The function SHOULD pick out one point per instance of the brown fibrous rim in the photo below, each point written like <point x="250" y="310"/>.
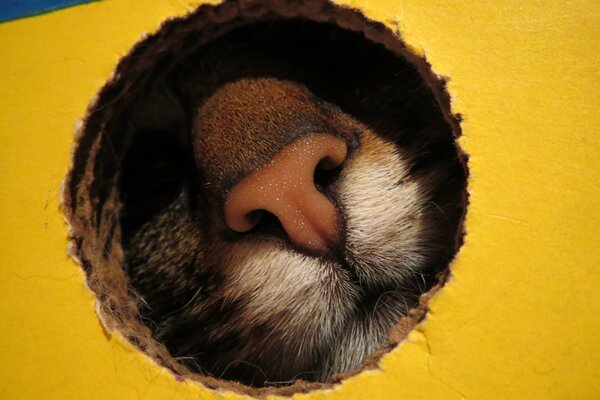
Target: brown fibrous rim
<point x="90" y="201"/>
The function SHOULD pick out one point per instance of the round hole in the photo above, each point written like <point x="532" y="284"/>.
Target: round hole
<point x="252" y="312"/>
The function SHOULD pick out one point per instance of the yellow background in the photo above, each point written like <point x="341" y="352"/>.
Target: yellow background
<point x="519" y="317"/>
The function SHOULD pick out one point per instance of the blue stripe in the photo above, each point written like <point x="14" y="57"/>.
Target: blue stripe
<point x="13" y="9"/>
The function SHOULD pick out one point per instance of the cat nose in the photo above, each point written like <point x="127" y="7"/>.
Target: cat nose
<point x="285" y="187"/>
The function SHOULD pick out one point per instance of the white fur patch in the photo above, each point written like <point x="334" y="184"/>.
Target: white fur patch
<point x="309" y="300"/>
<point x="384" y="211"/>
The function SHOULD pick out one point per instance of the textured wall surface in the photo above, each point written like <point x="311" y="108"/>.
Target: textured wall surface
<point x="519" y="316"/>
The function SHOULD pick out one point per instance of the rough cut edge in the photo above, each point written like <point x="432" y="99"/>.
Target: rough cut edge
<point x="93" y="223"/>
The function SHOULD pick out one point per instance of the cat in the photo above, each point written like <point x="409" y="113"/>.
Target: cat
<point x="263" y="304"/>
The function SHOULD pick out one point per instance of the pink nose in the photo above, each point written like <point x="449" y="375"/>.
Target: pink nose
<point x="285" y="187"/>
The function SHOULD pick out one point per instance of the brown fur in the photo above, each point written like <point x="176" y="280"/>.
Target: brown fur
<point x="245" y="123"/>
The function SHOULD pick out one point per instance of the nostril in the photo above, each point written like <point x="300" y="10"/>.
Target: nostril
<point x="326" y="173"/>
<point x="265" y="222"/>
<point x="255" y="217"/>
<point x="327" y="163"/>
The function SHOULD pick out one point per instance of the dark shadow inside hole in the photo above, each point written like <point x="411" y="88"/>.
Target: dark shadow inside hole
<point x="153" y="174"/>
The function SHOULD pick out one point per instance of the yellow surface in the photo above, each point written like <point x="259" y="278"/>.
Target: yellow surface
<point x="519" y="318"/>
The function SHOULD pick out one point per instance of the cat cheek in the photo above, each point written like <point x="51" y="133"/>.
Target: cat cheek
<point x="382" y="216"/>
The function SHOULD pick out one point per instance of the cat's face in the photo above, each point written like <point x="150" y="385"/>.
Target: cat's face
<point x="262" y="304"/>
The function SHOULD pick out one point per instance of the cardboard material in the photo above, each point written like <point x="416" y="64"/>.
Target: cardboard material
<point x="518" y="317"/>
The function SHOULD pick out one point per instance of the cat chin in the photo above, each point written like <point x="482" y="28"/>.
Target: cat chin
<point x="309" y="311"/>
